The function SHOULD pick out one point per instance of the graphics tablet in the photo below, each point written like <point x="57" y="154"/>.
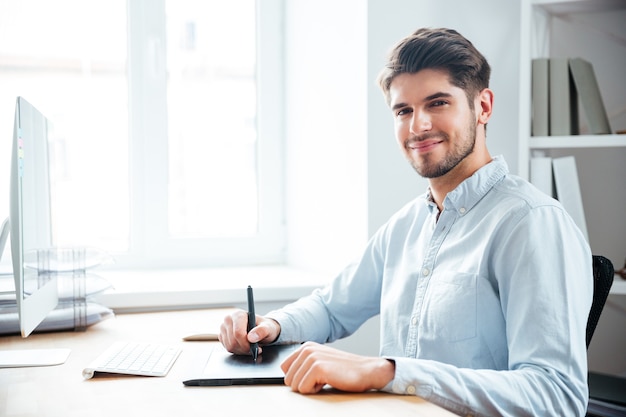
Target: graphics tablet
<point x="223" y="368"/>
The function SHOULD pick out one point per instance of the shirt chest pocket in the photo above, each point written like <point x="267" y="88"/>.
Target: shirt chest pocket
<point x="451" y="306"/>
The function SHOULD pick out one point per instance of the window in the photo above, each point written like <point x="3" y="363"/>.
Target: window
<point x="167" y="119"/>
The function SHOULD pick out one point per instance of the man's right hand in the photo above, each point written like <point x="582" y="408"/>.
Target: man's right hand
<point x="235" y="337"/>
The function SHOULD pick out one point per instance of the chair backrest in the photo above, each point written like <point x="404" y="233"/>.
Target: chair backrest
<point x="603" y="274"/>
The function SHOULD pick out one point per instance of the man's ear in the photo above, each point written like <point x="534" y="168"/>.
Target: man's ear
<point x="485" y="105"/>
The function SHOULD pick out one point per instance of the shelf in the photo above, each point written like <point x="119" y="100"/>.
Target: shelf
<point x="619" y="286"/>
<point x="568" y="7"/>
<point x="578" y="141"/>
<point x="592" y="30"/>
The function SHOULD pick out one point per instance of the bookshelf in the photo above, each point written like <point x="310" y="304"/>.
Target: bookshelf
<point x="619" y="286"/>
<point x="593" y="30"/>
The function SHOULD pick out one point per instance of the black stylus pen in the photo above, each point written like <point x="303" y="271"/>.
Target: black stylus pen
<point x="254" y="347"/>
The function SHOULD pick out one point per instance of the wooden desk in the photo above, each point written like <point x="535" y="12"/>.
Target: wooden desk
<point x="61" y="391"/>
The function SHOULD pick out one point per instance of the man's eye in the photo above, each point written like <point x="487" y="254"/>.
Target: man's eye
<point x="439" y="103"/>
<point x="402" y="112"/>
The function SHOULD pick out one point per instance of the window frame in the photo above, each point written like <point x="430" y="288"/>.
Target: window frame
<point x="149" y="242"/>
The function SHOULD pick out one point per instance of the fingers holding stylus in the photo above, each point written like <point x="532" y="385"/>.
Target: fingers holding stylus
<point x="234" y="333"/>
<point x="235" y="337"/>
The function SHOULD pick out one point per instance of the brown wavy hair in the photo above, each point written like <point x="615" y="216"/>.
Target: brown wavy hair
<point x="439" y="49"/>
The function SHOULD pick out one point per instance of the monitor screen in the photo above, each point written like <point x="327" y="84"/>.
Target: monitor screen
<point x="30" y="231"/>
<point x="30" y="228"/>
<point x="29" y="214"/>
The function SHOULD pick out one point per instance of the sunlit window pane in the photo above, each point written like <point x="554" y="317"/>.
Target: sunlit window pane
<point x="211" y="102"/>
<point x="68" y="58"/>
<point x="155" y="110"/>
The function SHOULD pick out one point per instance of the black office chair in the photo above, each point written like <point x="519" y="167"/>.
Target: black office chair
<point x="603" y="274"/>
<point x="602" y="387"/>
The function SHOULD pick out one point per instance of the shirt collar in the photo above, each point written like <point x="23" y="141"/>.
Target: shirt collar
<point x="465" y="196"/>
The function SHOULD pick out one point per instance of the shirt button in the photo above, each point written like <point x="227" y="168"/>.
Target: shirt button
<point x="414" y="321"/>
<point x="425" y="271"/>
<point x="462" y="210"/>
<point x="410" y="390"/>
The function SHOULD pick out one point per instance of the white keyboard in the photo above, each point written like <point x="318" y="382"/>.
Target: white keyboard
<point x="133" y="358"/>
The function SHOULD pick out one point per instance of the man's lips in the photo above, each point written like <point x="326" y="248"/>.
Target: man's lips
<point x="424" y="145"/>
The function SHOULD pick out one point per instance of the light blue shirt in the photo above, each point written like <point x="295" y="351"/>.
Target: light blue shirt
<point x="483" y="310"/>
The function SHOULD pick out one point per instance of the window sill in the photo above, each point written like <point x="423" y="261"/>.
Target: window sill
<point x="167" y="289"/>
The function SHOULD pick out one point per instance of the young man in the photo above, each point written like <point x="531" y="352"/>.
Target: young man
<point x="483" y="284"/>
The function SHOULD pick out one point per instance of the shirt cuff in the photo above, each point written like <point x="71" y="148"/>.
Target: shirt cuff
<point x="287" y="328"/>
<point x="408" y="380"/>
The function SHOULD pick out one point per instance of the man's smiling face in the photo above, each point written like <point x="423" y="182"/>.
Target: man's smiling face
<point x="434" y="123"/>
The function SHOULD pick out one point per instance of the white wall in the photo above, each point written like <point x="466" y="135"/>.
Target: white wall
<point x="326" y="132"/>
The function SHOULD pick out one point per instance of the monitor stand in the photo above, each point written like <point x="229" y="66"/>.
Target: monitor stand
<point x="28" y="357"/>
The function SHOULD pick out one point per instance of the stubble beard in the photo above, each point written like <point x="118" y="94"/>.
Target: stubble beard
<point x="428" y="167"/>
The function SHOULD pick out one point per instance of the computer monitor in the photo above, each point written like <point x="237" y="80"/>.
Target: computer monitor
<point x="30" y="230"/>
